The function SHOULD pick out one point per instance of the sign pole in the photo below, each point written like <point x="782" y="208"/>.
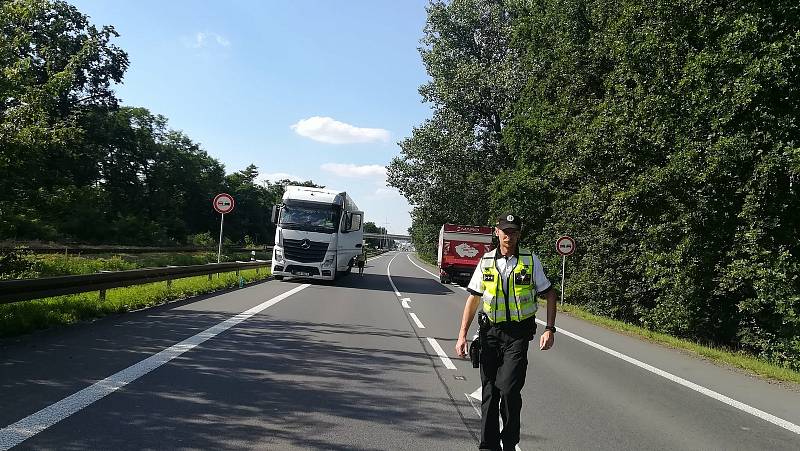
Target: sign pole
<point x="563" y="267"/>
<point x="565" y="246"/>
<point x="223" y="203"/>
<point x="219" y="250"/>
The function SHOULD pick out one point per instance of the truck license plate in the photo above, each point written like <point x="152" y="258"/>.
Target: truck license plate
<point x="302" y="273"/>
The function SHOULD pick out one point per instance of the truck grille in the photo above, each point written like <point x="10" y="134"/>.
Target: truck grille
<point x="296" y="250"/>
<point x="310" y="270"/>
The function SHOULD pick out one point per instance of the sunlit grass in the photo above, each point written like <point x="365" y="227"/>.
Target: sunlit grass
<point x="23" y="317"/>
<point x="429" y="259"/>
<point x="48" y="265"/>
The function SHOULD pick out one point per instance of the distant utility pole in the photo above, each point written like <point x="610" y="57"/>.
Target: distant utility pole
<point x="386" y="231"/>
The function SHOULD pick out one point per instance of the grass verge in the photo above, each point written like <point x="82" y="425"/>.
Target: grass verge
<point x="23" y="317"/>
<point x="429" y="259"/>
<point x="23" y="264"/>
<point x="738" y="360"/>
<point x="48" y="265"/>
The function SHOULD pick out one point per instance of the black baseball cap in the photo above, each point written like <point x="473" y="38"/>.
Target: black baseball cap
<point x="509" y="220"/>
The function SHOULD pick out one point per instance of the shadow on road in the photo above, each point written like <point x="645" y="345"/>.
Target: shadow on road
<point x="276" y="385"/>
<point x="380" y="282"/>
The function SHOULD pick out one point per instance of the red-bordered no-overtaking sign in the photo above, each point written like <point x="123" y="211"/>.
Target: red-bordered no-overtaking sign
<point x="565" y="245"/>
<point x="224" y="203"/>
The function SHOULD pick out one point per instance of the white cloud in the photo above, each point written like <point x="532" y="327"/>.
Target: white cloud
<point x="331" y="131"/>
<point x="276" y="176"/>
<point x="355" y="171"/>
<point x="222" y="41"/>
<point x="386" y="193"/>
<point x="202" y="40"/>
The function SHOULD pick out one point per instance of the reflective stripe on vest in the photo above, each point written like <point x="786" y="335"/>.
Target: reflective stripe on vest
<point x="522" y="296"/>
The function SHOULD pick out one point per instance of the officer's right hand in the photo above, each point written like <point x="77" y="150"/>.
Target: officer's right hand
<point x="462" y="347"/>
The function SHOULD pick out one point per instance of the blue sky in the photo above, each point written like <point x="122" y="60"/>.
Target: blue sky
<point x="319" y="90"/>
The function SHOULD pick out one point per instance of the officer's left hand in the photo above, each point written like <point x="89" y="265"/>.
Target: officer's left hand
<point x="546" y="340"/>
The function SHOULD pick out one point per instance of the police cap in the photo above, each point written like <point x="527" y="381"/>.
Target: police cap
<point x="509" y="221"/>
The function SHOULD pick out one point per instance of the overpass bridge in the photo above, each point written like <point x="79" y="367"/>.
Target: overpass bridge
<point x="389" y="236"/>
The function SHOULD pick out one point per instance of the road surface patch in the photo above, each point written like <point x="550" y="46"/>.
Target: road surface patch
<point x="35" y="423"/>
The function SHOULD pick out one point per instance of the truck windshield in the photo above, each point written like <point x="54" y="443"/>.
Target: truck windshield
<point x="309" y="216"/>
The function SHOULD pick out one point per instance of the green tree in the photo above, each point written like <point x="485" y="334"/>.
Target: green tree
<point x="56" y="67"/>
<point x="653" y="131"/>
<point x="451" y="159"/>
<point x="661" y="135"/>
<point x="371" y="227"/>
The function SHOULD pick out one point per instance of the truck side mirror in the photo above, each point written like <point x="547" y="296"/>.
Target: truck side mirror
<point x="355" y="221"/>
<point x="274" y="217"/>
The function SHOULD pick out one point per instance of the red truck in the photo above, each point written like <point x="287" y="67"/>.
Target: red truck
<point x="460" y="249"/>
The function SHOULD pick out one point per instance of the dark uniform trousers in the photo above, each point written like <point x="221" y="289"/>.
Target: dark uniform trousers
<point x="504" y="362"/>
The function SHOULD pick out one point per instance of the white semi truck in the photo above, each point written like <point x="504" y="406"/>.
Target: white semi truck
<point x="319" y="233"/>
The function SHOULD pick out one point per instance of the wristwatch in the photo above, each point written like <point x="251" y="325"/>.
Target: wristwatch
<point x="550" y="328"/>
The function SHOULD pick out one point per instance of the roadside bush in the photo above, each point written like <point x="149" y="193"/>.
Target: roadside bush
<point x="201" y="239"/>
<point x="50" y="265"/>
<point x="16" y="264"/>
<point x="661" y="135"/>
<point x="248" y="242"/>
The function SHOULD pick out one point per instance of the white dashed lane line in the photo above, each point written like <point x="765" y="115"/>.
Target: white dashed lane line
<point x="446" y="360"/>
<point x="416" y="320"/>
<point x="432" y="341"/>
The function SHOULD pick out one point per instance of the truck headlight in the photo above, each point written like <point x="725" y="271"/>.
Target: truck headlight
<point x="278" y="256"/>
<point x="328" y="261"/>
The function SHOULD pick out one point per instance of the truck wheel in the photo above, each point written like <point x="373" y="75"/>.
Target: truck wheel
<point x="278" y="277"/>
<point x="444" y="279"/>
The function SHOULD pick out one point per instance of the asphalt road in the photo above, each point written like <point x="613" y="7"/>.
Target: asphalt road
<point x="355" y="366"/>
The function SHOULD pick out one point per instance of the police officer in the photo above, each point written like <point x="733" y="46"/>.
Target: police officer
<point x="505" y="285"/>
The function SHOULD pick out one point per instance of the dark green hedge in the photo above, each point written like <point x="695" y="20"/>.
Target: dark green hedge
<point x="663" y="136"/>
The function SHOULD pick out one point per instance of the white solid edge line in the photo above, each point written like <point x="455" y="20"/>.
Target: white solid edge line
<point x="35" y="423"/>
<point x="416" y="320"/>
<point x="446" y="360"/>
<point x="397" y="293"/>
<point x="408" y="256"/>
<point x="679" y="380"/>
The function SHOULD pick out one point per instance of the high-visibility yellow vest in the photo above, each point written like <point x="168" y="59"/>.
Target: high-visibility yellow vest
<point x="521" y="298"/>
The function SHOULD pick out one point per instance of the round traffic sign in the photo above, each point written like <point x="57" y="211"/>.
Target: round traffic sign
<point x="565" y="245"/>
<point x="224" y="203"/>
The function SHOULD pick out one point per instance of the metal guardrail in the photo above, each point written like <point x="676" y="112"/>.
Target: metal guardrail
<point x="18" y="290"/>
<point x="89" y="250"/>
<point x="28" y="289"/>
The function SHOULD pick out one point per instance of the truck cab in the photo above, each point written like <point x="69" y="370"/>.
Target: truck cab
<point x="318" y="233"/>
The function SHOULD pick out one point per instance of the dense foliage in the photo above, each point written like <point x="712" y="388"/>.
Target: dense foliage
<point x="76" y="166"/>
<point x="662" y="135"/>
